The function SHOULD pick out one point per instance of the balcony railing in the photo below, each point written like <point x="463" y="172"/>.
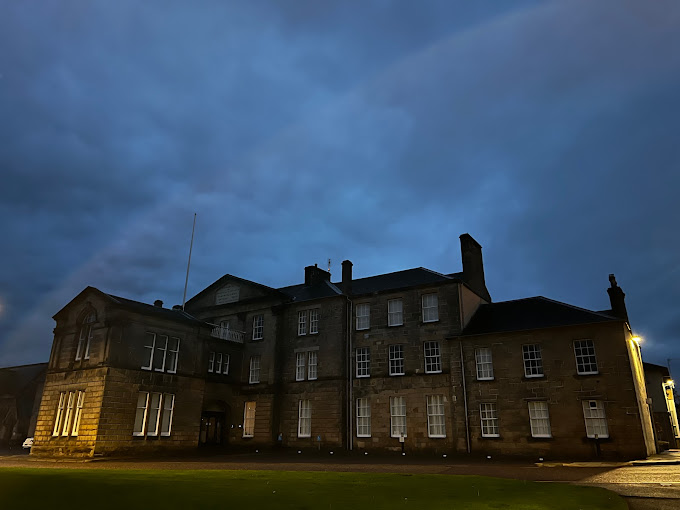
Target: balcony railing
<point x="230" y="335"/>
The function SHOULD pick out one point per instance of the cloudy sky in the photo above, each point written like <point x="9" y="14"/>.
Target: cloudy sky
<point x="374" y="131"/>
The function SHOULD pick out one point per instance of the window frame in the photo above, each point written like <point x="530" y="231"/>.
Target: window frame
<point x="532" y="359"/>
<point x="312" y="368"/>
<point x="258" y="327"/>
<point x="218" y="362"/>
<point x="590" y="421"/>
<point x="254" y="369"/>
<point x="300" y="365"/>
<point x="435" y="403"/>
<point x="172" y="355"/>
<point x="395" y="317"/>
<point x="396" y="423"/>
<point x="164" y="414"/>
<point x="537" y="422"/>
<point x="583" y="357"/>
<point x="211" y="362"/>
<point x="363" y="414"/>
<point x="302" y="322"/>
<point x="163" y="349"/>
<point x="431" y="308"/>
<point x="167" y="409"/>
<point x="150" y="414"/>
<point x="395" y="361"/>
<point x="80" y="403"/>
<point x="433" y="360"/>
<point x="225" y="366"/>
<point x="314" y="319"/>
<point x="59" y="417"/>
<point x="304" y="422"/>
<point x="488" y="417"/>
<point x="68" y="417"/>
<point x="249" y="418"/>
<point x="483" y="362"/>
<point x="363" y="317"/>
<point x="362" y="364"/>
<point x="141" y="432"/>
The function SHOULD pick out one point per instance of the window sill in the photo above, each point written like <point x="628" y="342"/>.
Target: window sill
<point x="534" y="376"/>
<point x="363" y="437"/>
<point x="437" y="437"/>
<point x="395" y="325"/>
<point x="397" y="375"/>
<point x="485" y="378"/>
<point x="363" y="376"/>
<point x="430" y="322"/>
<point x="490" y="436"/>
<point x="588" y="373"/>
<point x="434" y="372"/>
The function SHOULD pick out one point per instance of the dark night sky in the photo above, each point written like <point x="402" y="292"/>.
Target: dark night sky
<point x="371" y="130"/>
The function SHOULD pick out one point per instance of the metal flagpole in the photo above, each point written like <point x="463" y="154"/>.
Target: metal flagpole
<point x="186" y="282"/>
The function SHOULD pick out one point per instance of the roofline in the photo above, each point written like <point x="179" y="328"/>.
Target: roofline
<point x="496" y="332"/>
<point x="26" y="365"/>
<point x="243" y="280"/>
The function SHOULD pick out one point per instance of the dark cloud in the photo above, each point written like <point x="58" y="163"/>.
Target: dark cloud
<point x="302" y="131"/>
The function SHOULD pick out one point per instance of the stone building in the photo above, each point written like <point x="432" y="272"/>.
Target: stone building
<point x="414" y="360"/>
<point x="660" y="389"/>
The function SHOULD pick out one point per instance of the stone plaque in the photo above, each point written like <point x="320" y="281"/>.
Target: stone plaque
<point x="227" y="294"/>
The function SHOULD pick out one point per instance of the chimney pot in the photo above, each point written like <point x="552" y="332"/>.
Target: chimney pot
<point x="617" y="298"/>
<point x="158" y="303"/>
<point x="346" y="277"/>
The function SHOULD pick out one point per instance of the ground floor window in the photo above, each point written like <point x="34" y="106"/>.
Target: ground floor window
<point x="595" y="418"/>
<point x="539" y="419"/>
<point x="249" y="419"/>
<point x="304" y="419"/>
<point x="363" y="417"/>
<point x="397" y="417"/>
<point x="435" y="416"/>
<point x="69" y="411"/>
<point x="154" y="414"/>
<point x="489" y="418"/>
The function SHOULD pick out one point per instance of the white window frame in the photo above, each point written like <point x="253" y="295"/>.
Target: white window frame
<point x="249" y="418"/>
<point x="314" y="321"/>
<point x="150" y="343"/>
<point x="397" y="417"/>
<point x="302" y="322"/>
<point x="225" y="366"/>
<point x="218" y="363"/>
<point x="154" y="414"/>
<point x="167" y="411"/>
<point x="436" y="421"/>
<point x="69" y="413"/>
<point x="488" y="417"/>
<point x="363" y="316"/>
<point x="363" y="362"/>
<point x="300" y="360"/>
<point x="539" y="418"/>
<point x="173" y="354"/>
<point x="363" y="417"/>
<point x="211" y="362"/>
<point x="258" y="327"/>
<point x="433" y="357"/>
<point x="395" y="312"/>
<point x="533" y="360"/>
<point x="145" y="411"/>
<point x="484" y="363"/>
<point x="396" y="359"/>
<point x="80" y="401"/>
<point x="430" y="307"/>
<point x="312" y="365"/>
<point x="304" y="418"/>
<point x="584" y="352"/>
<point x="254" y="369"/>
<point x="59" y="418"/>
<point x="163" y="349"/>
<point x="595" y="418"/>
<point x="84" y="339"/>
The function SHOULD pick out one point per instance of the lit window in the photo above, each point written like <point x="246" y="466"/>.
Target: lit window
<point x="314" y="321"/>
<point x="79" y="412"/>
<point x="154" y="414"/>
<point x="435" y="416"/>
<point x="258" y="327"/>
<point x="173" y="355"/>
<point x="218" y="366"/>
<point x="363" y="316"/>
<point x="430" y="308"/>
<point x="489" y="419"/>
<point x="533" y="361"/>
<point x="396" y="360"/>
<point x="484" y="364"/>
<point x="69" y="413"/>
<point x="302" y="323"/>
<point x="140" y="417"/>
<point x="304" y="419"/>
<point x="395" y="316"/>
<point x="211" y="362"/>
<point x="254" y="375"/>
<point x="363" y="362"/>
<point x="363" y="417"/>
<point x="300" y="358"/>
<point x="58" y="420"/>
<point x="595" y="418"/>
<point x="168" y="410"/>
<point x="586" y="363"/>
<point x="433" y="362"/>
<point x="397" y="417"/>
<point x="154" y="411"/>
<point x="225" y="368"/>
<point x="85" y="337"/>
<point x="249" y="419"/>
<point x="539" y="419"/>
<point x="311" y="365"/>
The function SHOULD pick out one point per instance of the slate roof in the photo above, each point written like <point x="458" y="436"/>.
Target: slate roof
<point x="147" y="309"/>
<point x="530" y="313"/>
<point x="302" y="292"/>
<point x="400" y="280"/>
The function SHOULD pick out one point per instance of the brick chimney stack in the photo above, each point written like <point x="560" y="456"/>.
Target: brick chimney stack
<point x="617" y="299"/>
<point x="314" y="275"/>
<point x="346" y="277"/>
<point x="473" y="266"/>
<point x="158" y="303"/>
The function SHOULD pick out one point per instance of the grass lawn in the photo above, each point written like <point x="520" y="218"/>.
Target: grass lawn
<point x="96" y="489"/>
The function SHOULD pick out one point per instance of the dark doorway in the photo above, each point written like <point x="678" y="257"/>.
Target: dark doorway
<point x="212" y="428"/>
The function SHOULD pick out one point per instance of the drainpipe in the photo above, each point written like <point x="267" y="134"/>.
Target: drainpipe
<point x="467" y="419"/>
<point x="350" y="418"/>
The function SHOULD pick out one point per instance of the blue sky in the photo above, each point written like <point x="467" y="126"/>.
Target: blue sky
<point x="373" y="131"/>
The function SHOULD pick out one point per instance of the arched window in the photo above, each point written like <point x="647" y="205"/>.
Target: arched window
<point x="85" y="334"/>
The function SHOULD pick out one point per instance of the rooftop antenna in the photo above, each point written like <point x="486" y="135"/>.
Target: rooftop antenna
<point x="186" y="281"/>
<point x="329" y="265"/>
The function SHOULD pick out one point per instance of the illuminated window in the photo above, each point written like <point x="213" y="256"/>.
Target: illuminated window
<point x="539" y="419"/>
<point x="435" y="416"/>
<point x="58" y="420"/>
<point x="395" y="316"/>
<point x="430" y="308"/>
<point x="484" y="364"/>
<point x="433" y="361"/>
<point x="363" y="313"/>
<point x="249" y="419"/>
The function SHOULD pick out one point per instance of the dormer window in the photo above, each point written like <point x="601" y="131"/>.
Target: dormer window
<point x="85" y="336"/>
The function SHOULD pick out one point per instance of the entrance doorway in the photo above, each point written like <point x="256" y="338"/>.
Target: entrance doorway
<point x="212" y="428"/>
